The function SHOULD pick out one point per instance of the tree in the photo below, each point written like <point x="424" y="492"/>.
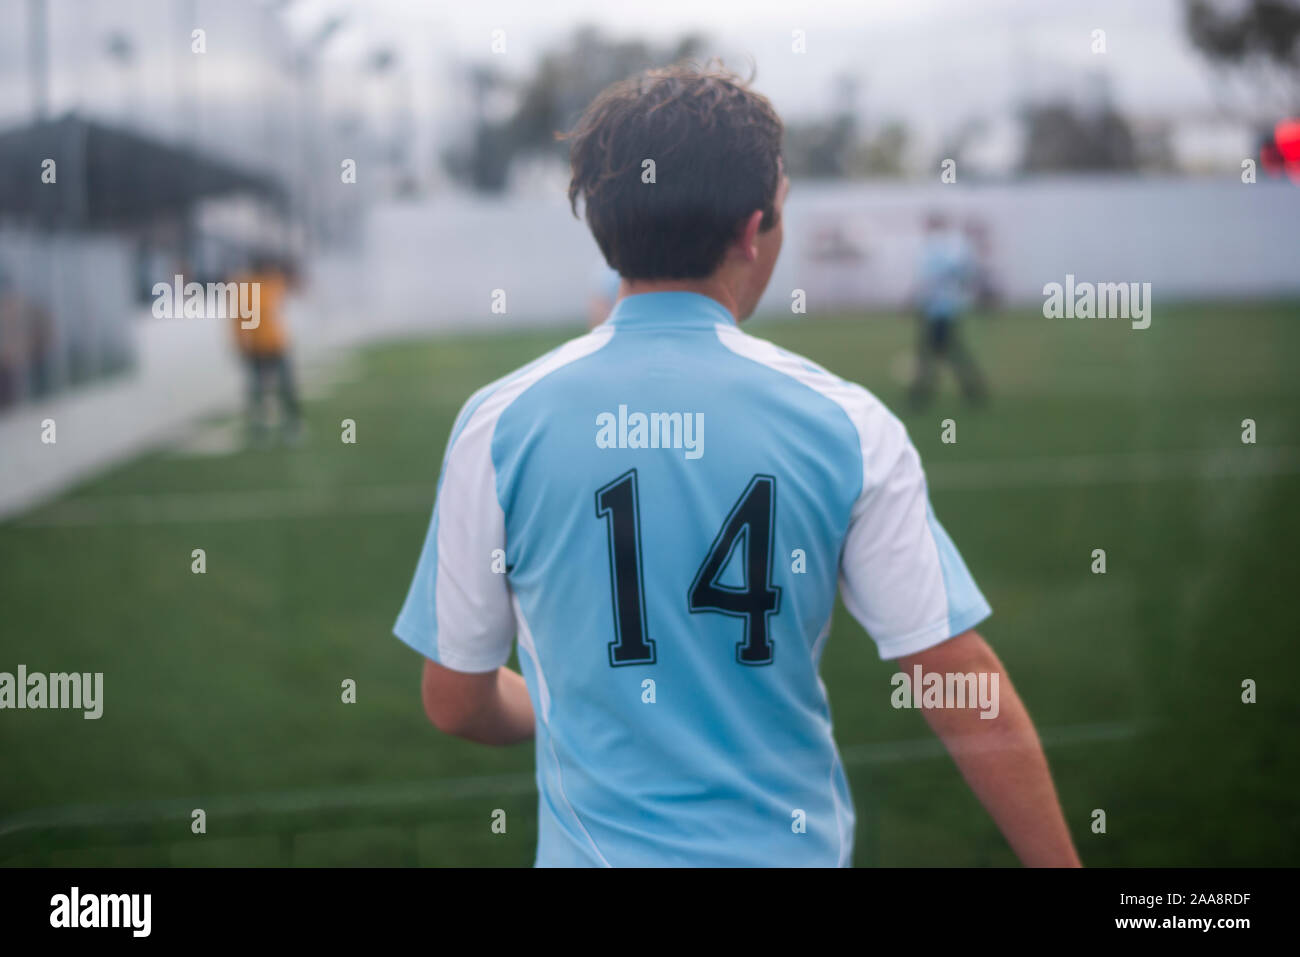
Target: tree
<point x="1059" y="137"/>
<point x="820" y="149"/>
<point x="551" y="100"/>
<point x="1257" y="44"/>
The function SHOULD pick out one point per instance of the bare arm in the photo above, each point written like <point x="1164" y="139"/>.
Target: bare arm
<point x="490" y="708"/>
<point x="1000" y="758"/>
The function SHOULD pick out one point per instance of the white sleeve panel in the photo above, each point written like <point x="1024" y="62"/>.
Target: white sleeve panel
<point x="459" y="610"/>
<point x="475" y="621"/>
<point x="900" y="575"/>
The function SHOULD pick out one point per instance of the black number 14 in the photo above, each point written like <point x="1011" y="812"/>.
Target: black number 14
<point x="749" y="524"/>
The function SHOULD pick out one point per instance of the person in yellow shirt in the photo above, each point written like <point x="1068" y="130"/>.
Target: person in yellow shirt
<point x="264" y="346"/>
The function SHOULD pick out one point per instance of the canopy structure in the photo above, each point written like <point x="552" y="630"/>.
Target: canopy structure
<point x="108" y="177"/>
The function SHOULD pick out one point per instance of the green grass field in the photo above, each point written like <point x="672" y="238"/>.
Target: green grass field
<point x="222" y="691"/>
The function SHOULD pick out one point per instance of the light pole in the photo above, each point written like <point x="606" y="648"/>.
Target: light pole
<point x="38" y="58"/>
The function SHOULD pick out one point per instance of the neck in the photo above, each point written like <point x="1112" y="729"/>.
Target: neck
<point x="711" y="286"/>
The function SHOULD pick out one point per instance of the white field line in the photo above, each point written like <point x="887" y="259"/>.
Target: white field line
<point x="1245" y="461"/>
<point x="473" y="786"/>
<point x="242" y="506"/>
<point x="260" y="504"/>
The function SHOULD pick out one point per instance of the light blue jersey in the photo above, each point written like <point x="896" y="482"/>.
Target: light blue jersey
<point x="946" y="276"/>
<point x="660" y="512"/>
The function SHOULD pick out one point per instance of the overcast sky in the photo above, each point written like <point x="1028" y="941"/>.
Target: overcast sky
<point x="933" y="63"/>
<point x="950" y="54"/>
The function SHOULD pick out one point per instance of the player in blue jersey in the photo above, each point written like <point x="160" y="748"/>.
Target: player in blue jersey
<point x="659" y="514"/>
<point x="948" y="282"/>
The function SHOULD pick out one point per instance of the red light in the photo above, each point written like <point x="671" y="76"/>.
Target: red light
<point x="1287" y="137"/>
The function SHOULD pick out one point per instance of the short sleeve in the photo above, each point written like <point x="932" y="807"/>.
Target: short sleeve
<point x="900" y="574"/>
<point x="458" y="610"/>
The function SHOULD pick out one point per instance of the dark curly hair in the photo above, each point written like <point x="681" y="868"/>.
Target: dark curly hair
<point x="716" y="146"/>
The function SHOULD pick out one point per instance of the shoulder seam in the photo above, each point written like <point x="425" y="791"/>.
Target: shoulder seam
<point x="493" y="388"/>
<point x="817" y="370"/>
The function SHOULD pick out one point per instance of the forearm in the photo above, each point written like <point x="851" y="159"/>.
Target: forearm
<point x="1002" y="760"/>
<point x="498" y="712"/>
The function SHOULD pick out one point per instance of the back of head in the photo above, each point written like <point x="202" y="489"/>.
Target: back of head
<point x="669" y="164"/>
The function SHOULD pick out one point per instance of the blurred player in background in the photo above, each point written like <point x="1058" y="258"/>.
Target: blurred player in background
<point x="264" y="348"/>
<point x="985" y="293"/>
<point x="26" y="337"/>
<point x="947" y="281"/>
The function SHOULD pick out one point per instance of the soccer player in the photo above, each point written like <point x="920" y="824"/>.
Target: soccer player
<point x="948" y="279"/>
<point x="264" y="347"/>
<point x="659" y="512"/>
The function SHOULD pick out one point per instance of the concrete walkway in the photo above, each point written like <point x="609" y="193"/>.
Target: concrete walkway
<point x="185" y="368"/>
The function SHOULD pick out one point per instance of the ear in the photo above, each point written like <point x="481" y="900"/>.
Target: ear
<point x="747" y="241"/>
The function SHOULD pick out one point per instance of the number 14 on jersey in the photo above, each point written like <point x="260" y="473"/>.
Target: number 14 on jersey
<point x="748" y="525"/>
